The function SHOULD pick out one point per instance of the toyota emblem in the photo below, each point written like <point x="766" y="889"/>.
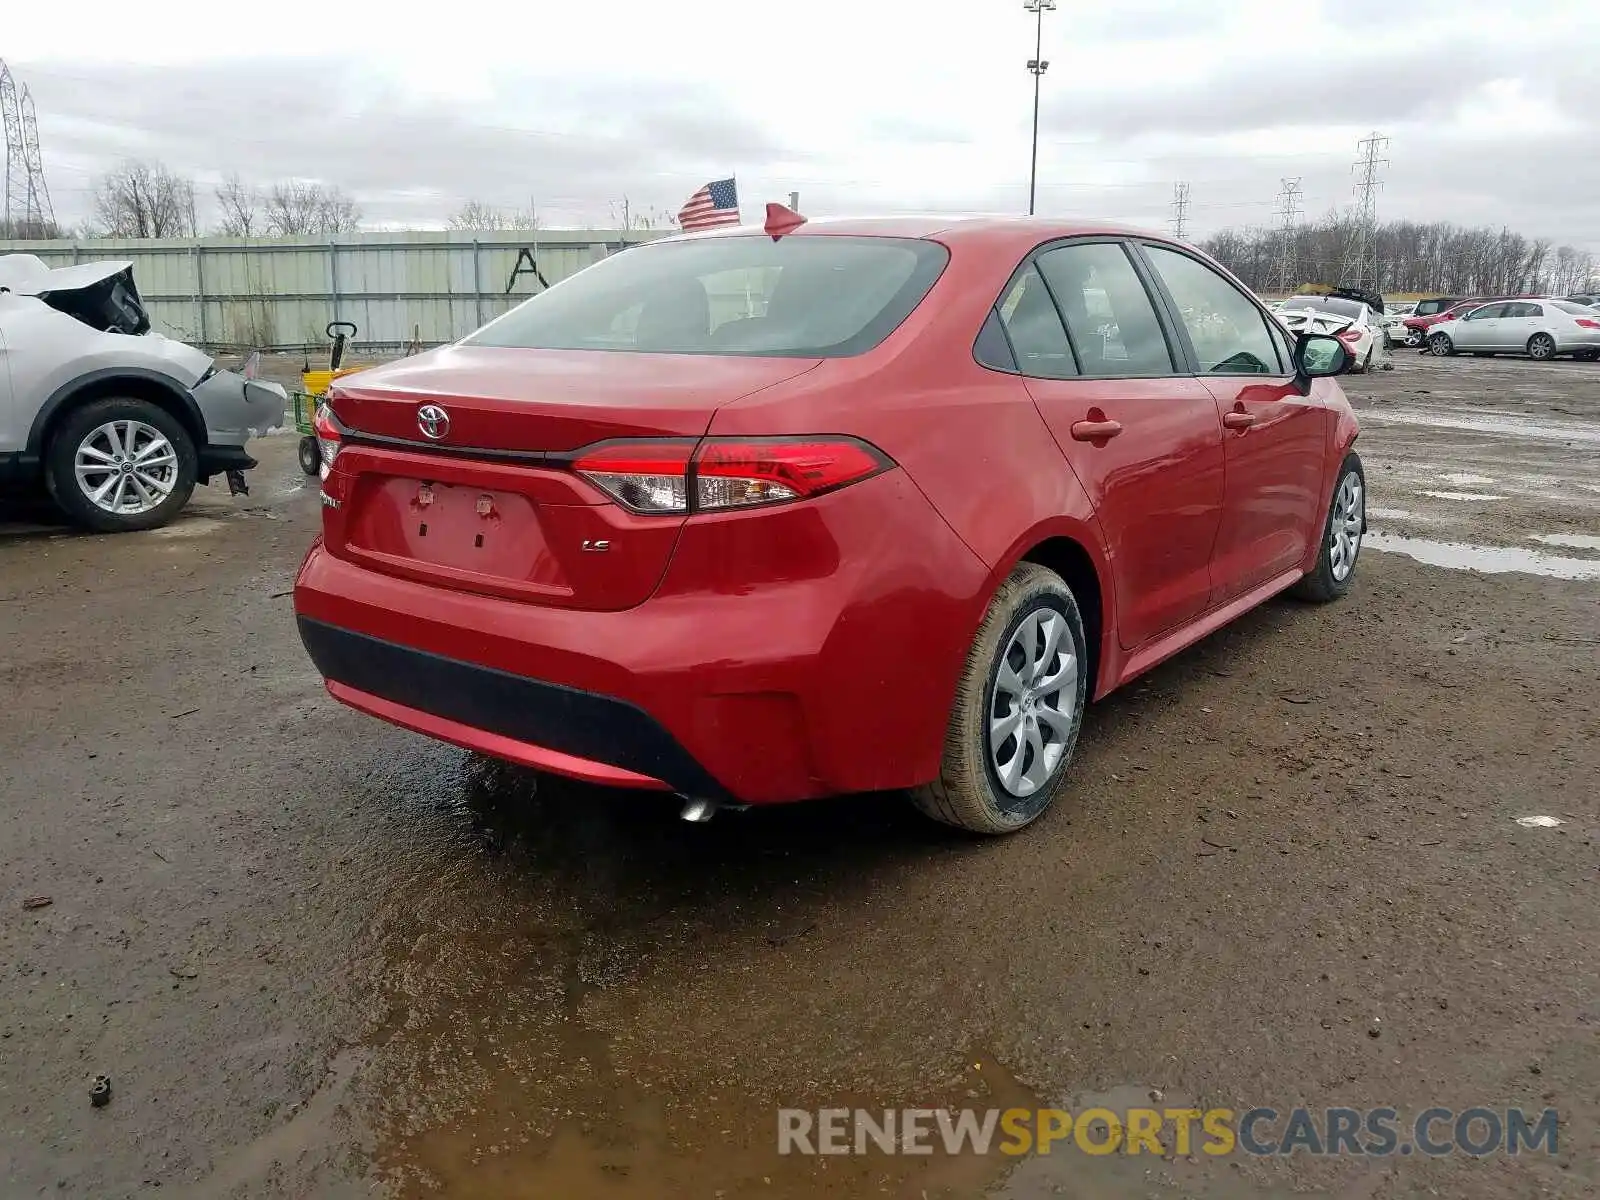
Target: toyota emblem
<point x="433" y="421"/>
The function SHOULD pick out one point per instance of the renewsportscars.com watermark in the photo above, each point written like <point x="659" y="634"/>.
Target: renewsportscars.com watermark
<point x="1374" y="1132"/>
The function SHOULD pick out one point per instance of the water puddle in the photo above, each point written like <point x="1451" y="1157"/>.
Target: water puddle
<point x="1509" y="424"/>
<point x="1460" y="495"/>
<point x="1572" y="541"/>
<point x="1490" y="560"/>
<point x="285" y="1143"/>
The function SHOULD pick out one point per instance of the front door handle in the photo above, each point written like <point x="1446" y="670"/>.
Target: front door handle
<point x="1095" y="431"/>
<point x="1238" y="420"/>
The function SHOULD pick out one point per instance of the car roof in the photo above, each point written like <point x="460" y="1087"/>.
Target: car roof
<point x="996" y="229"/>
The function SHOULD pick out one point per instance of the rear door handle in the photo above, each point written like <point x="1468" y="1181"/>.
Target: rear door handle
<point x="1238" y="420"/>
<point x="1095" y="431"/>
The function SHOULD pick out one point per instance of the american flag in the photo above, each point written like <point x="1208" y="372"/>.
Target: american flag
<point x="714" y="205"/>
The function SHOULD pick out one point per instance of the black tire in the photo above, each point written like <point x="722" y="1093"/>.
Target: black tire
<point x="968" y="793"/>
<point x="1586" y="355"/>
<point x="1321" y="584"/>
<point x="310" y="456"/>
<point x="1542" y="346"/>
<point x="62" y="480"/>
<point x="1440" y="345"/>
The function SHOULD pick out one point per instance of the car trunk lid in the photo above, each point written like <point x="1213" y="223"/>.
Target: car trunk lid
<point x="482" y="499"/>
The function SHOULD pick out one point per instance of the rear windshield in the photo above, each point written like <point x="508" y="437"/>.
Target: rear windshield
<point x="1567" y="306"/>
<point x="1429" y="307"/>
<point x="800" y="297"/>
<point x="1329" y="304"/>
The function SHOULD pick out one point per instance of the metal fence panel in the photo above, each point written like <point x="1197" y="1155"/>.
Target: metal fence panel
<point x="433" y="286"/>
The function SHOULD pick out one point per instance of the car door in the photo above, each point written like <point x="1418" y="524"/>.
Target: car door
<point x="11" y="438"/>
<point x="1478" y="327"/>
<point x="1142" y="435"/>
<point x="1519" y="321"/>
<point x="1275" y="435"/>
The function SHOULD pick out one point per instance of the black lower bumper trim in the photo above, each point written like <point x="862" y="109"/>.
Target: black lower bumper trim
<point x="599" y="728"/>
<point x="215" y="460"/>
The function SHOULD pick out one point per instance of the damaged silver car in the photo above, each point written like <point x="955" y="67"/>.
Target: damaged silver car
<point x="116" y="421"/>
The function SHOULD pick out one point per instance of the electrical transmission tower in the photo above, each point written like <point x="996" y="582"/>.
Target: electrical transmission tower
<point x="1180" y="210"/>
<point x="1360" y="266"/>
<point x="27" y="211"/>
<point x="40" y="211"/>
<point x="1285" y="270"/>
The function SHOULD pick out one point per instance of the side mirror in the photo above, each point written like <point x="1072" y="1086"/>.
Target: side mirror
<point x="1317" y="355"/>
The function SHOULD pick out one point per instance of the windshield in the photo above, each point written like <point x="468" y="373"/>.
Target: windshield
<point x="802" y="297"/>
<point x="1328" y="304"/>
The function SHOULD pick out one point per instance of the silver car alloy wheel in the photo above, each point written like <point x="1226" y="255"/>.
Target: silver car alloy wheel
<point x="126" y="467"/>
<point x="1034" y="702"/>
<point x="1345" y="528"/>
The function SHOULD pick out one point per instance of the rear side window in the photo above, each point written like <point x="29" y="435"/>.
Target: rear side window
<point x="1034" y="327"/>
<point x="1109" y="314"/>
<point x="800" y="297"/>
<point x="1228" y="332"/>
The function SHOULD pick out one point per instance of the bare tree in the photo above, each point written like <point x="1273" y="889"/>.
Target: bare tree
<point x="1412" y="257"/>
<point x="31" y="231"/>
<point x="144" y="200"/>
<point x="476" y="215"/>
<point x="241" y="208"/>
<point x="298" y="208"/>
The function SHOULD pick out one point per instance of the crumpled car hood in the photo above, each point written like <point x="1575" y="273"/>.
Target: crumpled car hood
<point x="28" y="275"/>
<point x="1310" y="321"/>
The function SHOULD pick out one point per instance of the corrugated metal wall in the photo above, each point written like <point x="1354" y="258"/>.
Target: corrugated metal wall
<point x="241" y="294"/>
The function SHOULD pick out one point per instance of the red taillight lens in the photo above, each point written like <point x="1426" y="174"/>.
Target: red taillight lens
<point x="1349" y="336"/>
<point x="327" y="434"/>
<point x="1587" y="323"/>
<point x="673" y="477"/>
<point x="646" y="477"/>
<point x="735" y="474"/>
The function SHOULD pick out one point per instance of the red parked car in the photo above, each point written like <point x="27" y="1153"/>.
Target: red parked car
<point x="760" y="515"/>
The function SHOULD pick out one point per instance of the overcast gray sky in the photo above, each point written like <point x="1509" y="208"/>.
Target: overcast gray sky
<point x="1493" y="108"/>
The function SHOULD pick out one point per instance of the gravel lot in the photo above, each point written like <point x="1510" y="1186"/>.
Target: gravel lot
<point x="322" y="957"/>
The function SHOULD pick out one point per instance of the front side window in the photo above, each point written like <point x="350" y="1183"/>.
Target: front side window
<point x="1489" y="312"/>
<point x="1109" y="314"/>
<point x="802" y="297"/>
<point x="1228" y="332"/>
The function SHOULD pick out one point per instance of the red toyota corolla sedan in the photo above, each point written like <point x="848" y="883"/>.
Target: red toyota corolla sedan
<point x="766" y="514"/>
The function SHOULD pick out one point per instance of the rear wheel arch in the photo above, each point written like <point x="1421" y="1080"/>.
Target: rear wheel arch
<point x="157" y="389"/>
<point x="1069" y="558"/>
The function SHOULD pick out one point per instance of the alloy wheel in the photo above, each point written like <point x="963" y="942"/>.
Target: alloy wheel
<point x="1033" y="704"/>
<point x="1345" y="527"/>
<point x="126" y="467"/>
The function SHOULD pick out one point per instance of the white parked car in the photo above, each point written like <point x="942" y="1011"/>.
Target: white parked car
<point x="1540" y="329"/>
<point x="117" y="422"/>
<point x="1394" y="321"/>
<point x="1358" y="323"/>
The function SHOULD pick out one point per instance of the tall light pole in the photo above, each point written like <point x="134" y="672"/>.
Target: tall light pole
<point x="1037" y="65"/>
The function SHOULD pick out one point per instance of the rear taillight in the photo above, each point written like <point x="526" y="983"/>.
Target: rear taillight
<point x="671" y="476"/>
<point x="1586" y="323"/>
<point x="1350" y="337"/>
<point x="327" y="438"/>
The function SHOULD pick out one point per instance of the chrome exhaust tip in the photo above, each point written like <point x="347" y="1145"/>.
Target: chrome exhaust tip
<point x="698" y="811"/>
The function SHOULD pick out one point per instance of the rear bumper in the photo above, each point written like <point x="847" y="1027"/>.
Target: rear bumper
<point x="783" y="656"/>
<point x="538" y="724"/>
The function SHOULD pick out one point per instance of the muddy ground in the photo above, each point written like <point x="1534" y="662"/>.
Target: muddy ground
<point x="319" y="956"/>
